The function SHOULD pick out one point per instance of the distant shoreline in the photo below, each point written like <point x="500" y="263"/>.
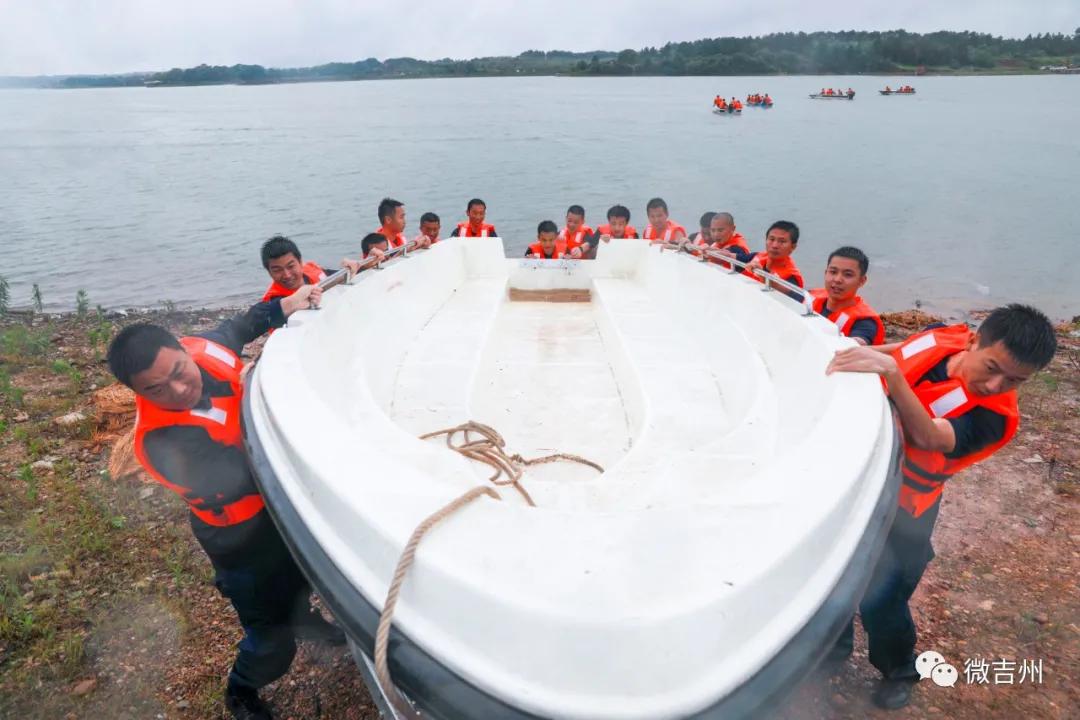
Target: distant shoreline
<point x="307" y="81"/>
<point x="872" y="53"/>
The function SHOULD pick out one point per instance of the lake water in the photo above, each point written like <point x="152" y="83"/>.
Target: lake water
<point x="964" y="195"/>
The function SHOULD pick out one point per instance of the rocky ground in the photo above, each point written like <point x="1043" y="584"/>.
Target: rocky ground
<point x="107" y="609"/>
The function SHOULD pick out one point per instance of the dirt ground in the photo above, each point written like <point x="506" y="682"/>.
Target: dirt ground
<point x="107" y="608"/>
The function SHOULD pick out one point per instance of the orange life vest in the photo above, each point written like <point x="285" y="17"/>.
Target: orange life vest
<point x="312" y="273"/>
<point x="393" y="240"/>
<point x="785" y="269"/>
<point x="221" y="422"/>
<point x="566" y="244"/>
<point x="465" y="230"/>
<point x="629" y="233"/>
<point x="846" y="318"/>
<point x="736" y="240"/>
<point x="668" y="234"/>
<point x="925" y="471"/>
<point x="538" y="250"/>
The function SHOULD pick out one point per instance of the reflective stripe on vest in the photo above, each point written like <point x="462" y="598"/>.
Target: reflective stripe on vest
<point x="669" y="231"/>
<point x="845" y="319"/>
<point x="221" y="422"/>
<point x="463" y="230"/>
<point x="629" y="233"/>
<point x="925" y="472"/>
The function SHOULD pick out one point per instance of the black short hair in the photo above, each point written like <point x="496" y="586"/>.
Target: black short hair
<point x="791" y="228"/>
<point x="546" y="226"/>
<point x="575" y="210"/>
<point x="618" y="211"/>
<point x="851" y="253"/>
<point x="387" y="206"/>
<point x="475" y="201"/>
<point x="656" y="203"/>
<point x="706" y="219"/>
<point x="135" y="348"/>
<point x="370" y="239"/>
<point x="1026" y="332"/>
<point x="429" y="217"/>
<point x="276" y="247"/>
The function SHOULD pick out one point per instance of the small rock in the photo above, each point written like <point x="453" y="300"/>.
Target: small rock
<point x="990" y="577"/>
<point x="986" y="605"/>
<point x="21" y="417"/>
<point x="146" y="492"/>
<point x="838" y="699"/>
<point x="183" y="705"/>
<point x="43" y="465"/>
<point x="1034" y="459"/>
<point x="72" y="418"/>
<point x="1041" y="618"/>
<point x="84" y="687"/>
<point x="933" y="710"/>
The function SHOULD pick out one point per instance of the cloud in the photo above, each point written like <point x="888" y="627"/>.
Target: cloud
<point x="110" y="36"/>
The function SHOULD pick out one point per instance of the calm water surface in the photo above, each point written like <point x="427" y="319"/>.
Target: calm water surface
<point x="964" y="195"/>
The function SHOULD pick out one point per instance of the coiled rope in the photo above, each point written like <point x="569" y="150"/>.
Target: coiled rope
<point x="490" y="449"/>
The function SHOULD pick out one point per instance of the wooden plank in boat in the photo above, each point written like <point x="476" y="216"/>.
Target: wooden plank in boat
<point x="555" y="295"/>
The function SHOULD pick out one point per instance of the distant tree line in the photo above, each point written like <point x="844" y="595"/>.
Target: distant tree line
<point x="818" y="53"/>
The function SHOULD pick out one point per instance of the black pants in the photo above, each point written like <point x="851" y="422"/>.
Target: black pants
<point x="271" y="597"/>
<point x="884" y="610"/>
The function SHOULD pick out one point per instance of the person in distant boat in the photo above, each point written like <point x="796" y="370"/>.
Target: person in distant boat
<point x="430" y="225"/>
<point x="188" y="437"/>
<point x="727" y="240"/>
<point x="374" y="244"/>
<point x="575" y="234"/>
<point x="888" y="89"/>
<point x="718" y="102"/>
<point x="392" y="220"/>
<point x="839" y="301"/>
<point x="781" y="239"/>
<point x="850" y="93"/>
<point x="661" y="228"/>
<point x="476" y="211"/>
<point x="737" y="103"/>
<point x="955" y="393"/>
<point x="546" y="246"/>
<point x="701" y="236"/>
<point x="767" y="100"/>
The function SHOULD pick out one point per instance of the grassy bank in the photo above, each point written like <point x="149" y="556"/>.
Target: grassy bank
<point x="107" y="610"/>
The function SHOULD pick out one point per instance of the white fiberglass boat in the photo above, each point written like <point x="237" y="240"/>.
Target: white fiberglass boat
<point x="744" y="497"/>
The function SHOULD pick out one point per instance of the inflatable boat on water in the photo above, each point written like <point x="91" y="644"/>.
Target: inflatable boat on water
<point x="743" y="497"/>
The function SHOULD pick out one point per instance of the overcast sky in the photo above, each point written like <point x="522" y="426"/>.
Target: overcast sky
<point x="111" y="36"/>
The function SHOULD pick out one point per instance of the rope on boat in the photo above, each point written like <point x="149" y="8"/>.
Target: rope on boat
<point x="382" y="634"/>
<point x="490" y="449"/>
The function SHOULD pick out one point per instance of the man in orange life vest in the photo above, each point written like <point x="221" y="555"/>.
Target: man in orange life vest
<point x="781" y="239"/>
<point x="660" y="227"/>
<point x="475" y="226"/>
<point x="374" y="244"/>
<point x="839" y="301"/>
<point x="188" y="437"/>
<point x="727" y="240"/>
<point x="430" y="225"/>
<point x="575" y="234"/>
<point x="618" y="227"/>
<point x="288" y="272"/>
<point x="546" y="246"/>
<point x="392" y="219"/>
<point x="955" y="393"/>
<point x="701" y="237"/>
